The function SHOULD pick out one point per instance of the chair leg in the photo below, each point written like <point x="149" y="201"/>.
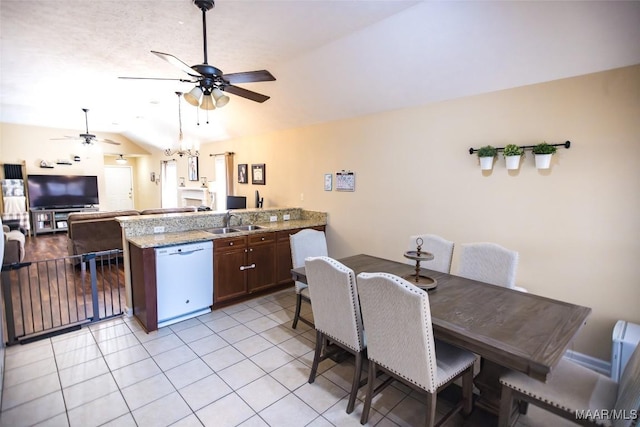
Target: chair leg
<point x="316" y="356"/>
<point x="506" y="403"/>
<point x="431" y="408"/>
<point x="367" y="400"/>
<point x="355" y="384"/>
<point x="297" y="315"/>
<point x="467" y="391"/>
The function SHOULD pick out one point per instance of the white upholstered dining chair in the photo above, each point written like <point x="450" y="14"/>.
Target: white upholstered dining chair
<point x="336" y="313"/>
<point x="489" y="263"/>
<point x="305" y="243"/>
<point x="397" y="321"/>
<point x="578" y="394"/>
<point x="440" y="248"/>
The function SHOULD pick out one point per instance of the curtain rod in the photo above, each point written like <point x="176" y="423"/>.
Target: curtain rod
<point x="221" y="154"/>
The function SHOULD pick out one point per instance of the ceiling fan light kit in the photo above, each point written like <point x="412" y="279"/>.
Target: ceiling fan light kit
<point x="193" y="96"/>
<point x="210" y="81"/>
<point x="121" y="160"/>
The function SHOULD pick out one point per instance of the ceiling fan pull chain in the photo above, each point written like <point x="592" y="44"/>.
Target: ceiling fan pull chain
<point x="198" y="115"/>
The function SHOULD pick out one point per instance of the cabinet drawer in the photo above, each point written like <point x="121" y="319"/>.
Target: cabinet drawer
<point x="284" y="235"/>
<point x="262" y="238"/>
<point x="229" y="242"/>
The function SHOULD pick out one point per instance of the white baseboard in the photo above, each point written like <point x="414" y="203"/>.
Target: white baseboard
<point x="598" y="365"/>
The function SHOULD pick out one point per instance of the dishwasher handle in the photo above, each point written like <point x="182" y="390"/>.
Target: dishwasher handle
<point x="247" y="267"/>
<point x="180" y="252"/>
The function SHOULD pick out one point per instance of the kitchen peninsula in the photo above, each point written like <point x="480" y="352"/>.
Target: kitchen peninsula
<point x="247" y="261"/>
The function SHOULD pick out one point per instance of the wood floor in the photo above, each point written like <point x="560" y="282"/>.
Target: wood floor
<point x="53" y="291"/>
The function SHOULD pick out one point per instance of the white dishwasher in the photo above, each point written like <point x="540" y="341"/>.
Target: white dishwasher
<point x="184" y="280"/>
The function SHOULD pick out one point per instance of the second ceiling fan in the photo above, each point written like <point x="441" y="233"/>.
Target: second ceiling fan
<point x="211" y="81"/>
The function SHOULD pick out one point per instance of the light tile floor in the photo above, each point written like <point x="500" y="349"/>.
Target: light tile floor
<point x="238" y="366"/>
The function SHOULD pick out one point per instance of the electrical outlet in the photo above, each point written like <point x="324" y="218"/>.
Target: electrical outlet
<point x="286" y="217"/>
<point x="159" y="229"/>
<point x="273" y="218"/>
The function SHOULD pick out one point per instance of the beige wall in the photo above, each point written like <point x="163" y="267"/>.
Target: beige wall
<point x="33" y="144"/>
<point x="576" y="226"/>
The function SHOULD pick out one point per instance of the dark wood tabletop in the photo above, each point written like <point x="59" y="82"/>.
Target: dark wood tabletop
<point x="516" y="330"/>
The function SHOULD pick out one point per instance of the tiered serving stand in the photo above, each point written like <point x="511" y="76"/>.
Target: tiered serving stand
<point x="420" y="280"/>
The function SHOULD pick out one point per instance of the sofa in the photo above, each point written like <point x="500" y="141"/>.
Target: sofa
<point x="99" y="231"/>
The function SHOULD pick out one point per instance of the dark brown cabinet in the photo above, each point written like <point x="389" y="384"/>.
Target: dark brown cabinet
<point x="247" y="264"/>
<point x="261" y="262"/>
<point x="229" y="257"/>
<point x="243" y="265"/>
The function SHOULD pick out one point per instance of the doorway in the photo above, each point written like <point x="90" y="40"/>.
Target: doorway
<point x="119" y="188"/>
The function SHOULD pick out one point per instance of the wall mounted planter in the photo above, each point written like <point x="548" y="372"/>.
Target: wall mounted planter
<point x="513" y="162"/>
<point x="543" y="161"/>
<point x="486" y="163"/>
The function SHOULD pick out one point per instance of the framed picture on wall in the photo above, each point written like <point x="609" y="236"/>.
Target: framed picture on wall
<point x="328" y="181"/>
<point x="192" y="162"/>
<point x="243" y="177"/>
<point x="258" y="174"/>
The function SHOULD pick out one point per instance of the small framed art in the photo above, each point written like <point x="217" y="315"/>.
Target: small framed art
<point x="193" y="168"/>
<point x="243" y="177"/>
<point x="328" y="181"/>
<point x="258" y="174"/>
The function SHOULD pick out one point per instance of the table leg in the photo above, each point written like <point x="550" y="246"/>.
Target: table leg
<point x="488" y="383"/>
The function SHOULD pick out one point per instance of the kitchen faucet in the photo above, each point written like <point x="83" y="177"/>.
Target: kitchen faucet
<point x="227" y="219"/>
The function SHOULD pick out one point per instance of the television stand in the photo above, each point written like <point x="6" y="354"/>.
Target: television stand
<point x="53" y="220"/>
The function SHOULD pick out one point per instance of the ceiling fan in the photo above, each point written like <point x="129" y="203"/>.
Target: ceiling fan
<point x="87" y="138"/>
<point x="211" y="81"/>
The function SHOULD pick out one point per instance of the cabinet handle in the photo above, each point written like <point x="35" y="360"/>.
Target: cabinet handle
<point x="251" y="250"/>
<point x="263" y="239"/>
<point x="230" y="243"/>
<point x="247" y="267"/>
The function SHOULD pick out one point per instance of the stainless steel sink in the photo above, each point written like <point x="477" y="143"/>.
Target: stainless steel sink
<point x="222" y="230"/>
<point x="249" y="227"/>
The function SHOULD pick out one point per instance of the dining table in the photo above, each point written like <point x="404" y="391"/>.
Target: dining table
<point x="507" y="328"/>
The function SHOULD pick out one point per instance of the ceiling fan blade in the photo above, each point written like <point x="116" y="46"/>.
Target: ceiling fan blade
<point x="108" y="141"/>
<point x="177" y="63"/>
<point x="254" y="96"/>
<point x="160" y="78"/>
<point x="249" y="77"/>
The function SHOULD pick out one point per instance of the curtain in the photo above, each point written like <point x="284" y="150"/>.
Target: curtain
<point x="169" y="183"/>
<point x="229" y="171"/>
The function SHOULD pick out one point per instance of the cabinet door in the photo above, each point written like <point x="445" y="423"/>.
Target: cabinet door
<point x="261" y="273"/>
<point x="228" y="262"/>
<point x="283" y="256"/>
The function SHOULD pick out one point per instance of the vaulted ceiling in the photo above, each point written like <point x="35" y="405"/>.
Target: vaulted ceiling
<point x="332" y="59"/>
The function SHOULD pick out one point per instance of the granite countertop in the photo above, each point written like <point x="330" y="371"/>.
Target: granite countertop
<point x="191" y="236"/>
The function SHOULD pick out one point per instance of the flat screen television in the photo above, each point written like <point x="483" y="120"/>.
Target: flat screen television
<point x="62" y="191"/>
<point x="236" y="202"/>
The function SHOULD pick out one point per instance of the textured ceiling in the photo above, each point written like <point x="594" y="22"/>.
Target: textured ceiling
<point x="332" y="59"/>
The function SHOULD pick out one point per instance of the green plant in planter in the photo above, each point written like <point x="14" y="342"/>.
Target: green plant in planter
<point x="544" y="148"/>
<point x="512" y="150"/>
<point x="487" y="151"/>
